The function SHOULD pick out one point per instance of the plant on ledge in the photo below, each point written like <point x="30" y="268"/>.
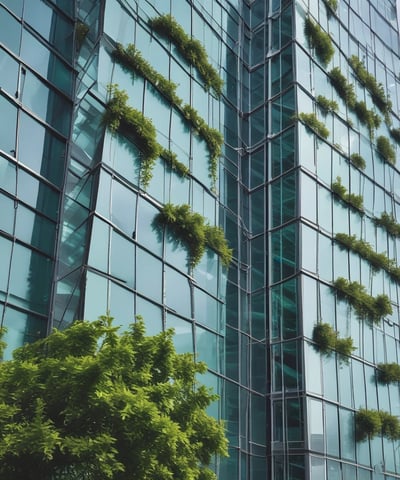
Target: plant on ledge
<point x="386" y="150"/>
<point x="319" y="40"/>
<point x="344" y="89"/>
<point x="190" y="49"/>
<point x="171" y="159"/>
<point x="331" y="5"/>
<point x="355" y="201"/>
<point x="367" y="117"/>
<point x="189" y="229"/>
<point x="131" y="59"/>
<point x="395" y="134"/>
<point x="327" y="105"/>
<point x="388" y="222"/>
<point x="327" y="340"/>
<point x="310" y="120"/>
<point x="365" y="306"/>
<point x="370" y="423"/>
<point x="358" y="161"/>
<point x="131" y="123"/>
<point x="388" y="373"/>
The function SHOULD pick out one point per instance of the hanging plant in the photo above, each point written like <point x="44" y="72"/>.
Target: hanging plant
<point x="388" y="373"/>
<point x="343" y="88"/>
<point x="131" y="123"/>
<point x="358" y="161"/>
<point x="370" y="423"/>
<point x="331" y="5"/>
<point x="171" y="159"/>
<point x="319" y="40"/>
<point x="327" y="340"/>
<point x="190" y="49"/>
<point x="367" y="117"/>
<point x="190" y="230"/>
<point x="386" y="150"/>
<point x="310" y="121"/>
<point x="365" y="306"/>
<point x="395" y="134"/>
<point x="326" y="105"/>
<point x="388" y="222"/>
<point x="355" y="201"/>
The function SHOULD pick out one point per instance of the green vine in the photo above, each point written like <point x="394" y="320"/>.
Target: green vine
<point x="386" y="150"/>
<point x="357" y="160"/>
<point x="355" y="201"/>
<point x="319" y="40"/>
<point x="191" y="49"/>
<point x="327" y="340"/>
<point x="388" y="373"/>
<point x="326" y="105"/>
<point x="191" y="231"/>
<point x="130" y="58"/>
<point x="370" y="423"/>
<point x="367" y="117"/>
<point x="171" y="159"/>
<point x="365" y="306"/>
<point x="378" y="261"/>
<point x="344" y="89"/>
<point x="310" y="121"/>
<point x="388" y="222"/>
<point x="376" y="89"/>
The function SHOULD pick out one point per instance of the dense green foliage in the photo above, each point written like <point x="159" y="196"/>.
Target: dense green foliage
<point x="310" y="120"/>
<point x="319" y="40"/>
<point x="327" y="340"/>
<point x="355" y="201"/>
<point x="130" y="58"/>
<point x="357" y="160"/>
<point x="343" y="88"/>
<point x="327" y="105"/>
<point x="190" y="230"/>
<point x="378" y="261"/>
<point x="388" y="372"/>
<point x="367" y="117"/>
<point x="370" y="423"/>
<point x="366" y="306"/>
<point x="88" y="403"/>
<point x="120" y="117"/>
<point x="386" y="149"/>
<point x="171" y="159"/>
<point x="190" y="49"/>
<point x="388" y="222"/>
<point x="331" y="5"/>
<point x="395" y="134"/>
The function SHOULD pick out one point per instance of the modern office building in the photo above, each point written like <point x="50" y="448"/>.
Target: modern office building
<point x="113" y="109"/>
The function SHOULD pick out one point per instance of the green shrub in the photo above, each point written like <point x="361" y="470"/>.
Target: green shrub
<point x="388" y="372"/>
<point x="390" y="426"/>
<point x="368" y="424"/>
<point x="343" y="88"/>
<point x="327" y="105"/>
<point x="355" y="201"/>
<point x="358" y="161"/>
<point x="331" y="5"/>
<point x="189" y="229"/>
<point x="386" y="149"/>
<point x="172" y="161"/>
<point x="131" y="123"/>
<point x="131" y="59"/>
<point x="310" y="120"/>
<point x="367" y="117"/>
<point x="395" y="134"/>
<point x="388" y="222"/>
<point x="365" y="306"/>
<point x="190" y="49"/>
<point x="344" y="346"/>
<point x="327" y="340"/>
<point x="319" y="40"/>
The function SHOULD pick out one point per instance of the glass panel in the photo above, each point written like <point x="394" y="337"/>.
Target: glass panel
<point x="10" y="30"/>
<point x="8" y="129"/>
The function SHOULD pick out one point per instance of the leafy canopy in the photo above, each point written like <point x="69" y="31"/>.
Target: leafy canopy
<point x="90" y="403"/>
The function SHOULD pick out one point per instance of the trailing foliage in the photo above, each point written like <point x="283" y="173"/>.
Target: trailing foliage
<point x="171" y="159"/>
<point x="212" y="137"/>
<point x="365" y="306"/>
<point x="319" y="40"/>
<point x="395" y="134"/>
<point x="191" y="49"/>
<point x="388" y="222"/>
<point x="327" y="105"/>
<point x="376" y="89"/>
<point x="367" y="117"/>
<point x="89" y="403"/>
<point x="378" y="261"/>
<point x="386" y="150"/>
<point x="120" y="117"/>
<point x="357" y="160"/>
<point x="388" y="372"/>
<point x="190" y="230"/>
<point x="343" y="88"/>
<point x="327" y="340"/>
<point x="370" y="423"/>
<point x="355" y="201"/>
<point x="130" y="58"/>
<point x="310" y="120"/>
<point x="331" y="5"/>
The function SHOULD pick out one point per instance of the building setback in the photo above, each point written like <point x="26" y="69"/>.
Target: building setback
<point x="140" y="141"/>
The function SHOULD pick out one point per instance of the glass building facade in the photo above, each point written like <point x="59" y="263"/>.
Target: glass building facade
<point x="300" y="205"/>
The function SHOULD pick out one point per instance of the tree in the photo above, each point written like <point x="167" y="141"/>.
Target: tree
<point x="90" y="403"/>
